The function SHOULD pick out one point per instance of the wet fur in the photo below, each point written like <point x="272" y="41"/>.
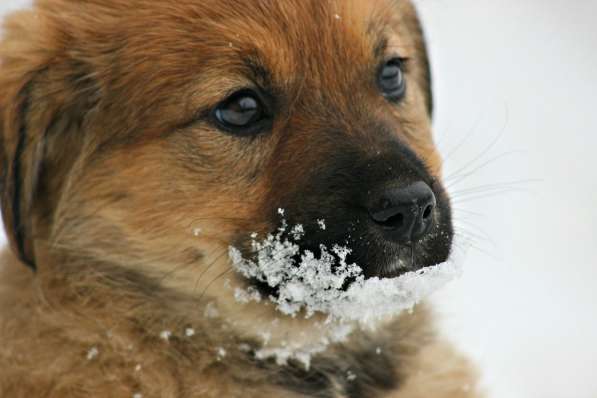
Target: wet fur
<point x="107" y="168"/>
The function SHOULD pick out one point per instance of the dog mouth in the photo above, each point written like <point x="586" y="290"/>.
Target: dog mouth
<point x="298" y="272"/>
<point x="298" y="277"/>
<point x="402" y="262"/>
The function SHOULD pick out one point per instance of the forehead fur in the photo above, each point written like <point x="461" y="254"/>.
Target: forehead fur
<point x="133" y="49"/>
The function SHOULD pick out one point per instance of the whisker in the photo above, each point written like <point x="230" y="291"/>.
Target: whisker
<point x="470" y="242"/>
<point x="474" y="235"/>
<point x="180" y="268"/>
<point x="475" y="228"/>
<point x="486" y="150"/>
<point x="455" y="179"/>
<point x="466" y="213"/>
<point x="213" y="281"/>
<point x="505" y="184"/>
<point x="472" y="130"/>
<point x="218" y="258"/>
<point x="465" y="198"/>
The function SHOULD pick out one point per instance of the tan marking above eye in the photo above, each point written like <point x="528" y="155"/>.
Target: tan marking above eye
<point x="398" y="45"/>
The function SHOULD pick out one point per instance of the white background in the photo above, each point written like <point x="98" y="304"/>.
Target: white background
<point x="520" y="74"/>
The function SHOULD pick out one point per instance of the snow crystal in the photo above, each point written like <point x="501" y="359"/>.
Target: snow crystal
<point x="211" y="311"/>
<point x="197" y="231"/>
<point x="221" y="353"/>
<point x="138" y="367"/>
<point x="244" y="347"/>
<point x="92" y="353"/>
<point x="297" y="232"/>
<point x="189" y="332"/>
<point x="303" y="351"/>
<point x="165" y="335"/>
<point x="321" y="224"/>
<point x="246" y="296"/>
<point x="378" y="351"/>
<point x="138" y="395"/>
<point x="266" y="337"/>
<point x="350" y="376"/>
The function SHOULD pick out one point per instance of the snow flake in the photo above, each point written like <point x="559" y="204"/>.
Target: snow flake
<point x="297" y="232"/>
<point x="244" y="347"/>
<point x="189" y="332"/>
<point x="321" y="224"/>
<point x="211" y="311"/>
<point x="221" y="353"/>
<point x="245" y="296"/>
<point x="165" y="335"/>
<point x="350" y="376"/>
<point x="92" y="353"/>
<point x="266" y="337"/>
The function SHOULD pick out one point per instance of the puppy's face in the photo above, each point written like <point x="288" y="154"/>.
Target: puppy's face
<point x="161" y="133"/>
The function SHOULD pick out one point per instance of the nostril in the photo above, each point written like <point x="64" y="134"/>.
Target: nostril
<point x="389" y="217"/>
<point x="427" y="212"/>
<point x="394" y="222"/>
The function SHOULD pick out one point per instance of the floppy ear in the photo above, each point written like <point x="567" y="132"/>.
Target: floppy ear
<point x="13" y="116"/>
<point x="18" y="67"/>
<point x="43" y="92"/>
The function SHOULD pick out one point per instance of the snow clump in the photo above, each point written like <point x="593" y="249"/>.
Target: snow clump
<point x="308" y="284"/>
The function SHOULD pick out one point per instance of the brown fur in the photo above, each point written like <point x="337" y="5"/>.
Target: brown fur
<point x="106" y="172"/>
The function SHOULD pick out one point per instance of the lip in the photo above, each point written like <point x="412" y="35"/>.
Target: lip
<point x="405" y="261"/>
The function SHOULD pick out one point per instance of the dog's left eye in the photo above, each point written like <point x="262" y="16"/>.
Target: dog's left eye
<point x="391" y="80"/>
<point x="241" y="113"/>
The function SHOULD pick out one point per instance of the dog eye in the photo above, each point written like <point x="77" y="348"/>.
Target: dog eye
<point x="241" y="113"/>
<point x="391" y="80"/>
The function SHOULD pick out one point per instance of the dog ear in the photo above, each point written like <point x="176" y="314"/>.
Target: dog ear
<point x="20" y="158"/>
<point x="40" y="105"/>
<point x="14" y="142"/>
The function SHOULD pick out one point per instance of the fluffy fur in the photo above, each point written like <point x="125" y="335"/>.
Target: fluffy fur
<point x="124" y="199"/>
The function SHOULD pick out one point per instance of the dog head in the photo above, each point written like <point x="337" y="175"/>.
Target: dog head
<point x="154" y="135"/>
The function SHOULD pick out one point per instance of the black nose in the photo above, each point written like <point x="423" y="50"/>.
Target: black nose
<point x="405" y="214"/>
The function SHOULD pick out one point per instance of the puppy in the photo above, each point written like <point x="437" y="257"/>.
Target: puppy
<point x="142" y="139"/>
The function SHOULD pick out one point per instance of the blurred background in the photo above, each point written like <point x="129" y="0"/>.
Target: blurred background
<point x="515" y="87"/>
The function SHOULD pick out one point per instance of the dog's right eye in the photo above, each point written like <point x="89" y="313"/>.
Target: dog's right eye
<point x="242" y="113"/>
